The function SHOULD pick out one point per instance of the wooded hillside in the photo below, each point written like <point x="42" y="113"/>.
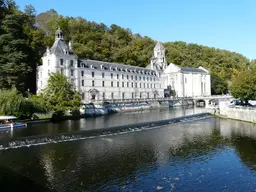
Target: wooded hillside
<point x="25" y="35"/>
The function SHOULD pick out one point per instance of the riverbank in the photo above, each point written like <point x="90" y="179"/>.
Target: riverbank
<point x="240" y="113"/>
<point x="97" y="109"/>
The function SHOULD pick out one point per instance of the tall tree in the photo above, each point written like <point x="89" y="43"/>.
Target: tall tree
<point x="218" y="85"/>
<point x="60" y="95"/>
<point x="244" y="85"/>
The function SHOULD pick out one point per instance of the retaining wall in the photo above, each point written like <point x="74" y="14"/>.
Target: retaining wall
<point x="238" y="112"/>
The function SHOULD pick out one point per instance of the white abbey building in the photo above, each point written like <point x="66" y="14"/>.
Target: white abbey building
<point x="98" y="80"/>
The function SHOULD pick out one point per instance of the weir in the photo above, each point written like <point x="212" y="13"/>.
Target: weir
<point x="87" y="134"/>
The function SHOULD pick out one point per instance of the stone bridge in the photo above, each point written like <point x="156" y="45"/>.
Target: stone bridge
<point x="198" y="101"/>
<point x="210" y="100"/>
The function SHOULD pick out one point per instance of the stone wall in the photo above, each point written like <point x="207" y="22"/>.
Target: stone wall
<point x="238" y="112"/>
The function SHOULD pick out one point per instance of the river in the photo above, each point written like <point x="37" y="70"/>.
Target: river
<point x="208" y="155"/>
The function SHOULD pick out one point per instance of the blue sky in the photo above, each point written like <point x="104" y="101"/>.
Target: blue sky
<point x="224" y="24"/>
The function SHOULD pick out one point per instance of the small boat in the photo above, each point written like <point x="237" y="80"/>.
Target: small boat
<point x="6" y="122"/>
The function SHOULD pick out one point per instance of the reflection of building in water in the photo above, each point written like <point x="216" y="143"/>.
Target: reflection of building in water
<point x="98" y="80"/>
<point x="233" y="127"/>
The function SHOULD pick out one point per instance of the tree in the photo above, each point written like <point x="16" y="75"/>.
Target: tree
<point x="60" y="95"/>
<point x="243" y="85"/>
<point x="218" y="85"/>
<point x="13" y="103"/>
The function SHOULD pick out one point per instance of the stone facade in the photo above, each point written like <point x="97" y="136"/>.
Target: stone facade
<point x="98" y="80"/>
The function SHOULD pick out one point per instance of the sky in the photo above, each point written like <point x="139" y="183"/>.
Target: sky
<point x="224" y="24"/>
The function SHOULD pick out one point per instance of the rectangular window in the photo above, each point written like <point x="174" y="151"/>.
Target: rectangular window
<point x="122" y="76"/>
<point x="135" y="85"/>
<point x="144" y="85"/>
<point x="112" y="95"/>
<point x="117" y="76"/>
<point x="154" y="85"/>
<point x="92" y="83"/>
<point x="127" y="84"/>
<point x="82" y="73"/>
<point x="48" y="62"/>
<point x="111" y="75"/>
<point x="117" y="84"/>
<point x="92" y="74"/>
<point x="102" y="75"/>
<point x="151" y="86"/>
<point x="61" y="71"/>
<point x="122" y="84"/>
<point x="82" y="82"/>
<point x="48" y="72"/>
<point x="72" y="72"/>
<point x="71" y="63"/>
<point x="111" y="83"/>
<point x="103" y="83"/>
<point x="140" y="85"/>
<point x="132" y="77"/>
<point x="61" y="61"/>
<point x="127" y="76"/>
<point x="103" y="95"/>
<point x="148" y="85"/>
<point x="140" y="78"/>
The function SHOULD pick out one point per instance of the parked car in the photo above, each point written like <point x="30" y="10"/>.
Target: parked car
<point x="240" y="102"/>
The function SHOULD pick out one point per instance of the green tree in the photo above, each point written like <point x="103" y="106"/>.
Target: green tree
<point x="243" y="85"/>
<point x="59" y="95"/>
<point x="218" y="85"/>
<point x="13" y="103"/>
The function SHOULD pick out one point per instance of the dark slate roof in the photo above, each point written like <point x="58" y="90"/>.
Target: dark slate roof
<point x="193" y="70"/>
<point x="107" y="65"/>
<point x="59" y="47"/>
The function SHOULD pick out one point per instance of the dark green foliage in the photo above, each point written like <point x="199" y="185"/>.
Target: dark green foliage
<point x="244" y="85"/>
<point x="218" y="85"/>
<point x="21" y="45"/>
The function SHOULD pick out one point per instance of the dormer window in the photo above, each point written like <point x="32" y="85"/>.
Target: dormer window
<point x="92" y="67"/>
<point x="102" y="67"/>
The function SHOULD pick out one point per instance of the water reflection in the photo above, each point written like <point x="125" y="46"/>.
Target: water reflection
<point x="100" y="122"/>
<point x="211" y="154"/>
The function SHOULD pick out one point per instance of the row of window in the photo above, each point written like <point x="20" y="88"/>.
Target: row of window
<point x="135" y="85"/>
<point x="127" y="76"/>
<point x="134" y="95"/>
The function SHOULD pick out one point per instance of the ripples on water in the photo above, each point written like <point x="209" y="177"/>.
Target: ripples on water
<point x="206" y="155"/>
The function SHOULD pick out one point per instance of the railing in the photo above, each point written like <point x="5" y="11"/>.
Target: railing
<point x="144" y="99"/>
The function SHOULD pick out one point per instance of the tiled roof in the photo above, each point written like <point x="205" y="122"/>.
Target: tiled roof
<point x="115" y="66"/>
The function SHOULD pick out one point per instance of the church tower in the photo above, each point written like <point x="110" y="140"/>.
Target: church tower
<point x="158" y="61"/>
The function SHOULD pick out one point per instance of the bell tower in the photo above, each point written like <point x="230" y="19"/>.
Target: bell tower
<point x="59" y="34"/>
<point x="159" y="60"/>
